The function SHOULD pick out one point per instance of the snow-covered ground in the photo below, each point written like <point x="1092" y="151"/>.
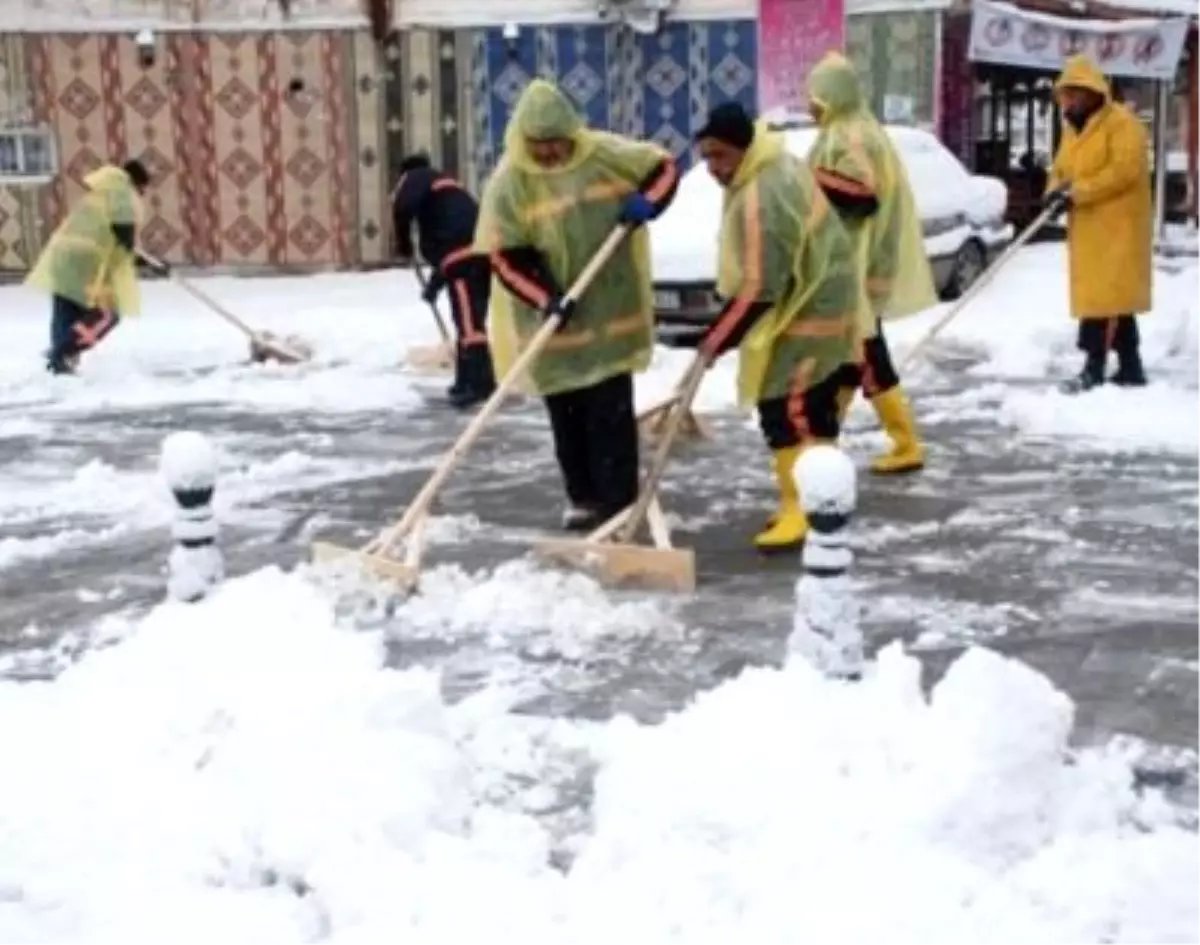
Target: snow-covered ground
<point x="244" y="770"/>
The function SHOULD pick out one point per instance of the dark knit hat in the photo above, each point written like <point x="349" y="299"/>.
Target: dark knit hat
<point x="730" y="123"/>
<point x="138" y="175"/>
<point x="414" y="161"/>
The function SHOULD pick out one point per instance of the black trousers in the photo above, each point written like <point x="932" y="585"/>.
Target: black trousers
<point x="73" y="330"/>
<point x="596" y="444"/>
<point x="1098" y="336"/>
<point x="809" y="414"/>
<point x="470" y="295"/>
<point x="877" y="373"/>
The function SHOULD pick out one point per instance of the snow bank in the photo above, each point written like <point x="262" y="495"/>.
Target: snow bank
<point x="243" y="770"/>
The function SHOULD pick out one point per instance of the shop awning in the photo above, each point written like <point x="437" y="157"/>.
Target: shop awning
<point x="1143" y="48"/>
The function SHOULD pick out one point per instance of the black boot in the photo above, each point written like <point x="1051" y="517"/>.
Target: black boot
<point x="1130" y="372"/>
<point x="476" y="381"/>
<point x="1091" y="376"/>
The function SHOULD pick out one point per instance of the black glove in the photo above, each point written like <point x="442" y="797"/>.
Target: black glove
<point x="160" y="266"/>
<point x="1058" y="200"/>
<point x="433" y="287"/>
<point x="563" y="307"/>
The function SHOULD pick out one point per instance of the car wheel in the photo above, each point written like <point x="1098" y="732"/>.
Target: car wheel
<point x="969" y="264"/>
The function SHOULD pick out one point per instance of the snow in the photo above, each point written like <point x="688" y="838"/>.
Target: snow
<point x="242" y="769"/>
<point x="179" y="356"/>
<point x="188" y="461"/>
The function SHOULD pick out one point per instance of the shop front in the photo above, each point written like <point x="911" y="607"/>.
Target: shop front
<point x="1009" y="127"/>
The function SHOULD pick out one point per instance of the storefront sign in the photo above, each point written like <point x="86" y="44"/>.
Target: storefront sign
<point x="792" y="36"/>
<point x="1142" y="48"/>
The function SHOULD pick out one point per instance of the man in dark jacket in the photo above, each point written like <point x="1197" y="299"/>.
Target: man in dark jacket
<point x="445" y="215"/>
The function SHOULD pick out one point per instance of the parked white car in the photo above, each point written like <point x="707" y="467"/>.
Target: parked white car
<point x="962" y="216"/>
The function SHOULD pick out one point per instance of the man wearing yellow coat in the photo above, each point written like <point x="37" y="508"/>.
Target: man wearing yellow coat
<point x="862" y="175"/>
<point x="88" y="266"/>
<point x="1101" y="177"/>
<point x="792" y="299"/>
<point x="558" y="192"/>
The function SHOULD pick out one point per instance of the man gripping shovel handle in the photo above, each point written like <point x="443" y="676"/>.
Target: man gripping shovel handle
<point x="375" y="555"/>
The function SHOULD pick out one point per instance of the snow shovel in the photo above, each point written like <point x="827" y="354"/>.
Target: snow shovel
<point x="620" y="561"/>
<point x="374" y="556"/>
<point x="264" y="346"/>
<point x="431" y="358"/>
<point x="979" y="285"/>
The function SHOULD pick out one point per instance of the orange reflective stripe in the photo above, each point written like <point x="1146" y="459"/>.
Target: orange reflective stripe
<point x="751" y="273"/>
<point x="532" y="292"/>
<point x="818" y="327"/>
<point x="88" y="335"/>
<point x="455" y="256"/>
<point x="797" y="387"/>
<point x="833" y="180"/>
<point x="471" y="335"/>
<point x="663" y="183"/>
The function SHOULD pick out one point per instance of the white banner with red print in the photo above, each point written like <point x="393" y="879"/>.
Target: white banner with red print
<point x="1143" y="48"/>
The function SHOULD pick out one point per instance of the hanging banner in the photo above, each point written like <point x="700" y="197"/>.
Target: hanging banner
<point x="792" y="36"/>
<point x="1142" y="49"/>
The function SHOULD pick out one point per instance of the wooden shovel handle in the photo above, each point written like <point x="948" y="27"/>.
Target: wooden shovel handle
<point x="978" y="285"/>
<point x="649" y="488"/>
<point x="420" y="504"/>
<point x="423" y="282"/>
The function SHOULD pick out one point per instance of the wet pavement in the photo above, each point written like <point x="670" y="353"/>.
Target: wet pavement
<point x="1084" y="564"/>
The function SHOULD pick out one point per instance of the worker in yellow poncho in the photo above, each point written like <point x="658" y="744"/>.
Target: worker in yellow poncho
<point x="88" y="266"/>
<point x="861" y="174"/>
<point x="558" y="191"/>
<point x="1101" y="174"/>
<point x="791" y="298"/>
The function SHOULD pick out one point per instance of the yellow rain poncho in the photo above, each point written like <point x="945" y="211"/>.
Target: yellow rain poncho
<point x="1110" y="229"/>
<point x="889" y="244"/>
<point x="83" y="261"/>
<point x="566" y="212"/>
<point x="782" y="242"/>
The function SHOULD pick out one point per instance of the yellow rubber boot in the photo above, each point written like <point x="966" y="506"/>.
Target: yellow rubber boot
<point x="907" y="453"/>
<point x="788" y="526"/>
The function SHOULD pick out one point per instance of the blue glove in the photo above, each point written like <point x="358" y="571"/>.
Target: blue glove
<point x="636" y="210"/>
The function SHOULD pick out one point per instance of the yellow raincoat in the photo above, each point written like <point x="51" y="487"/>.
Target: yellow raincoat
<point x="567" y="212"/>
<point x="83" y="261"/>
<point x="1110" y="229"/>
<point x="889" y="244"/>
<point x="782" y="242"/>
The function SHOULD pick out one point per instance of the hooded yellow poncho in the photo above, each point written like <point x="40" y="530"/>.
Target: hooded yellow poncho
<point x="889" y="244"/>
<point x="83" y="261"/>
<point x="567" y="212"/>
<point x="782" y="242"/>
<point x="1110" y="230"/>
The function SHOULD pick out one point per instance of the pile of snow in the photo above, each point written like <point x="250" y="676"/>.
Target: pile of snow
<point x="244" y="770"/>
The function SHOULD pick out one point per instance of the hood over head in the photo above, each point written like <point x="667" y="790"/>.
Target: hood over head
<point x="833" y="84"/>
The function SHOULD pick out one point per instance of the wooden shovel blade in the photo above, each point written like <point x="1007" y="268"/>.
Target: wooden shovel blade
<point x="266" y="347"/>
<point x="430" y="358"/>
<point x="404" y="575"/>
<point x="615" y="564"/>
